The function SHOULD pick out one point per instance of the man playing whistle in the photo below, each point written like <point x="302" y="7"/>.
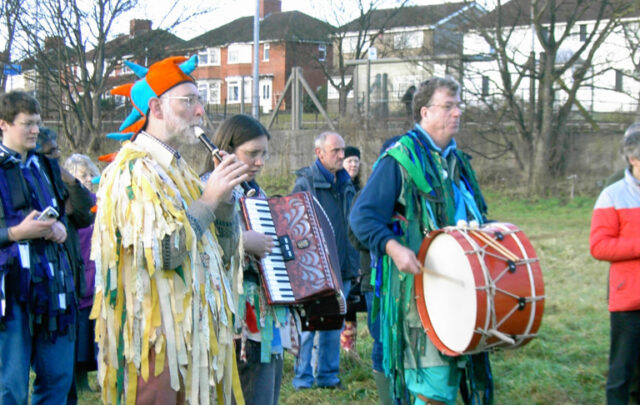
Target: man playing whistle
<point x="164" y="301"/>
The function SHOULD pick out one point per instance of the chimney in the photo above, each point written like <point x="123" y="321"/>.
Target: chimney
<point x="51" y="43"/>
<point x="139" y="26"/>
<point x="268" y="7"/>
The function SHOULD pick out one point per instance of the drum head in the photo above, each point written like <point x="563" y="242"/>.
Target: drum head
<point x="449" y="292"/>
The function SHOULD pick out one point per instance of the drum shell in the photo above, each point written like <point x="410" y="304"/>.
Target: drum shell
<point x="489" y="264"/>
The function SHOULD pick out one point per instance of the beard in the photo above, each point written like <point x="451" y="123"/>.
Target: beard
<point x="180" y="129"/>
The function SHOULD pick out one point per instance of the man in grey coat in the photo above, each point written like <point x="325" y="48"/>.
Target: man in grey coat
<point x="331" y="185"/>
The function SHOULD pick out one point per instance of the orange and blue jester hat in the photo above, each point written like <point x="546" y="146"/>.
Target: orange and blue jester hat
<point x="154" y="81"/>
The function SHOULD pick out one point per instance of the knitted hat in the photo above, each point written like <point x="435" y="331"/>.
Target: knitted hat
<point x="351" y="151"/>
<point x="154" y="81"/>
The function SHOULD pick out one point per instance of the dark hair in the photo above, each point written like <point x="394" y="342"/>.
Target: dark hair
<point x="46" y="135"/>
<point x="424" y="94"/>
<point x="234" y="131"/>
<point x="351" y="151"/>
<point x="630" y="145"/>
<point x="16" y="102"/>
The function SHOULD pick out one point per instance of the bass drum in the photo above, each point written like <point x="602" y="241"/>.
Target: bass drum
<point x="480" y="288"/>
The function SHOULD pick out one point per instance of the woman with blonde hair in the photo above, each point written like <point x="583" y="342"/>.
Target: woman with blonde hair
<point x="83" y="169"/>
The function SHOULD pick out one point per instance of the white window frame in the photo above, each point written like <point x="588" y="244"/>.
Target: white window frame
<point x="212" y="56"/>
<point x="408" y="40"/>
<point x="322" y="52"/>
<point x="126" y="70"/>
<point x="215" y="91"/>
<point x="239" y="53"/>
<point x="235" y="82"/>
<point x="266" y="50"/>
<point x="210" y="90"/>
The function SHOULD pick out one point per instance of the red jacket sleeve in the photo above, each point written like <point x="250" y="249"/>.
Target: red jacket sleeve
<point x="606" y="241"/>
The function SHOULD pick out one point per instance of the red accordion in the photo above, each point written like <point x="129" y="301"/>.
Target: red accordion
<point x="301" y="269"/>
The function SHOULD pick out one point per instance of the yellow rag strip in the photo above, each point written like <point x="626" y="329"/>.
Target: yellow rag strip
<point x="141" y="200"/>
<point x="132" y="385"/>
<point x="237" y="389"/>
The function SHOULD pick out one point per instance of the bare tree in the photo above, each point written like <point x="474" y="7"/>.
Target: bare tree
<point x="11" y="12"/>
<point x="631" y="32"/>
<point x="73" y="49"/>
<point x="67" y="40"/>
<point x="536" y="93"/>
<point x="352" y="40"/>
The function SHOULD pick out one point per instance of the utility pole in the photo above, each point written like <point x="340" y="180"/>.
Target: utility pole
<point x="256" y="60"/>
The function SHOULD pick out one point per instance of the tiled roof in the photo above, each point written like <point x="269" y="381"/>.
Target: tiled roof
<point x="154" y="43"/>
<point x="413" y="16"/>
<point x="285" y="26"/>
<point x="518" y="12"/>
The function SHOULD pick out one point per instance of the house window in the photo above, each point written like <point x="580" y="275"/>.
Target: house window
<point x="408" y="40"/>
<point x="234" y="89"/>
<point x="619" y="76"/>
<point x="583" y="32"/>
<point x="322" y="53"/>
<point x="233" y="92"/>
<point x="209" y="91"/>
<point x="202" y="91"/>
<point x="485" y="86"/>
<point x="119" y="100"/>
<point x="209" y="57"/>
<point x="349" y="44"/>
<point x="125" y="68"/>
<point x="239" y="53"/>
<point x="266" y="91"/>
<point x="214" y="92"/>
<point x="265" y="52"/>
<point x="544" y="32"/>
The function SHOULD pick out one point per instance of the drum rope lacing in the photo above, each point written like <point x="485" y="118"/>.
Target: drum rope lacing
<point x="512" y="261"/>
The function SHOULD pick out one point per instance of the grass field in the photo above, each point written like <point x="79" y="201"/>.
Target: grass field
<point x="566" y="364"/>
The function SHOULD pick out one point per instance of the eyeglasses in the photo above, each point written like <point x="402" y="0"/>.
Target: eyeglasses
<point x="189" y="100"/>
<point x="254" y="155"/>
<point x="450" y="106"/>
<point x="30" y="124"/>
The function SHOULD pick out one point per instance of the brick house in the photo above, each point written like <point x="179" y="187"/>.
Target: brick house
<point x="287" y="39"/>
<point x="143" y="45"/>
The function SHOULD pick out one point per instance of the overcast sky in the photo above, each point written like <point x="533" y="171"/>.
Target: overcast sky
<point x="164" y="12"/>
<point x="228" y="10"/>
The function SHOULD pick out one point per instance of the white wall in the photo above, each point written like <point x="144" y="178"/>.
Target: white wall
<point x="597" y="94"/>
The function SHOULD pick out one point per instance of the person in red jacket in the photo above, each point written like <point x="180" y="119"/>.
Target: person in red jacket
<point x="615" y="237"/>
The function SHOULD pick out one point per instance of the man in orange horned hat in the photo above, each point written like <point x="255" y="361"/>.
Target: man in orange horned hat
<point x="162" y="240"/>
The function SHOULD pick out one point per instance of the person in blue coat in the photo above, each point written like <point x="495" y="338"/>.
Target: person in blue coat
<point x="423" y="182"/>
<point x="330" y="183"/>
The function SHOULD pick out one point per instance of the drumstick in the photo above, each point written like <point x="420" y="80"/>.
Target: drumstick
<point x="502" y="336"/>
<point x="445" y="276"/>
<point x="495" y="245"/>
<point x="501" y="249"/>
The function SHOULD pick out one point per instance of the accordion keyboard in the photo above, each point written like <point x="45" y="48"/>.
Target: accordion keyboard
<point x="273" y="264"/>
